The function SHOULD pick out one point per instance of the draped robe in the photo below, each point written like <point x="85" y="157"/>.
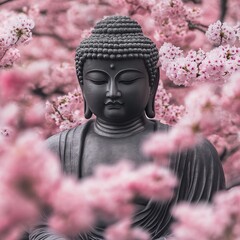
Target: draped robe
<point x="198" y="169"/>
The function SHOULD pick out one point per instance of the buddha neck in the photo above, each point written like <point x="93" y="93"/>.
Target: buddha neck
<point x="127" y="129"/>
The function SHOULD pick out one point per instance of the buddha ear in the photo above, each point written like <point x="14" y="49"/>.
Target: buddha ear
<point x="87" y="111"/>
<point x="150" y="108"/>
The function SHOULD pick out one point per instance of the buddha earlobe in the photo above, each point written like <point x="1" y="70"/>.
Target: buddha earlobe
<point x="87" y="111"/>
<point x="150" y="108"/>
<point x="150" y="111"/>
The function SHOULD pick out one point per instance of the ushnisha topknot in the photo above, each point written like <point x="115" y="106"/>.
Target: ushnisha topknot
<point x="117" y="37"/>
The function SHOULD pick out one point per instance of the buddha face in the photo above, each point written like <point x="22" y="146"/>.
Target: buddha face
<point x="116" y="91"/>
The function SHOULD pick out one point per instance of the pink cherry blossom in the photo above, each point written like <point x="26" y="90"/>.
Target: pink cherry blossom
<point x="223" y="214"/>
<point x="159" y="186"/>
<point x="167" y="53"/>
<point x="9" y="115"/>
<point x="231" y="169"/>
<point x="231" y="94"/>
<point x="203" y="110"/>
<point x="182" y="71"/>
<point x="16" y="212"/>
<point x="18" y="170"/>
<point x="219" y="64"/>
<point x="15" y="29"/>
<point x="221" y="33"/>
<point x="165" y="111"/>
<point x="175" y="28"/>
<point x="215" y="66"/>
<point x="12" y="84"/>
<point x="77" y="206"/>
<point x="35" y="114"/>
<point x="66" y="111"/>
<point x="232" y="14"/>
<point x="19" y="29"/>
<point x="72" y="209"/>
<point x="160" y="145"/>
<point x="201" y="118"/>
<point x="219" y="143"/>
<point x="194" y="221"/>
<point x="8" y="57"/>
<point x="123" y="230"/>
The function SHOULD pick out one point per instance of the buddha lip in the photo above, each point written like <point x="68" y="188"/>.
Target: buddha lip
<point x="113" y="103"/>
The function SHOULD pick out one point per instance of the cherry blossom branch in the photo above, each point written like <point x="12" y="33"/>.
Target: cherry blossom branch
<point x="6" y="1"/>
<point x="224" y="8"/>
<point x="229" y="153"/>
<point x="3" y="54"/>
<point x="194" y="1"/>
<point x="39" y="91"/>
<point x="202" y="28"/>
<point x="54" y="36"/>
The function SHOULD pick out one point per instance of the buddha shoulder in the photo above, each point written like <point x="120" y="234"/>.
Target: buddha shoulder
<point x="62" y="140"/>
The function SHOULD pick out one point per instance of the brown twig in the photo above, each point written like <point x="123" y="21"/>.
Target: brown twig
<point x="227" y="154"/>
<point x="224" y="9"/>
<point x="54" y="36"/>
<point x="39" y="91"/>
<point x="194" y="1"/>
<point x="6" y="1"/>
<point x="202" y="28"/>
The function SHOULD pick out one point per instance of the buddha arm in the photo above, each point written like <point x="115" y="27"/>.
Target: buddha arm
<point x="60" y="144"/>
<point x="42" y="232"/>
<point x="200" y="173"/>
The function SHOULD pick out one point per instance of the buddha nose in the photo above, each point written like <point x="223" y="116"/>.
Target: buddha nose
<point x="113" y="91"/>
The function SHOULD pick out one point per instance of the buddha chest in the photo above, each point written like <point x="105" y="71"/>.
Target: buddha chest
<point x="109" y="150"/>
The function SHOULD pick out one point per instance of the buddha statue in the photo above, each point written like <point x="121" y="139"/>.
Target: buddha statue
<point x="118" y="74"/>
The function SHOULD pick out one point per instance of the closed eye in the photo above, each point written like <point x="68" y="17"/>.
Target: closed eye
<point x="97" y="77"/>
<point x="97" y="82"/>
<point x="129" y="81"/>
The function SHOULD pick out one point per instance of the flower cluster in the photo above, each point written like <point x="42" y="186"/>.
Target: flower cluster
<point x="203" y="110"/>
<point x="13" y="85"/>
<point x="221" y="34"/>
<point x="231" y="94"/>
<point x="167" y="53"/>
<point x="66" y="111"/>
<point x="24" y="184"/>
<point x="231" y="169"/>
<point x="18" y="110"/>
<point x="202" y="117"/>
<point x="123" y="230"/>
<point x="165" y="111"/>
<point x="216" y="65"/>
<point x="15" y="29"/>
<point x="173" y="16"/>
<point x="78" y="205"/>
<point x="195" y="220"/>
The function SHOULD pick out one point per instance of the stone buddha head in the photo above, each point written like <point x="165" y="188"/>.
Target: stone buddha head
<point x="117" y="71"/>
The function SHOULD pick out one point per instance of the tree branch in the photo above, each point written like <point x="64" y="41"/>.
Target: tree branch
<point x="6" y="1"/>
<point x="202" y="28"/>
<point x="194" y="1"/>
<point x="227" y="154"/>
<point x="224" y="9"/>
<point x="55" y="36"/>
<point x="39" y="91"/>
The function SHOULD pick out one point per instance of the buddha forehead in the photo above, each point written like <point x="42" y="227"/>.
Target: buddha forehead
<point x="114" y="66"/>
